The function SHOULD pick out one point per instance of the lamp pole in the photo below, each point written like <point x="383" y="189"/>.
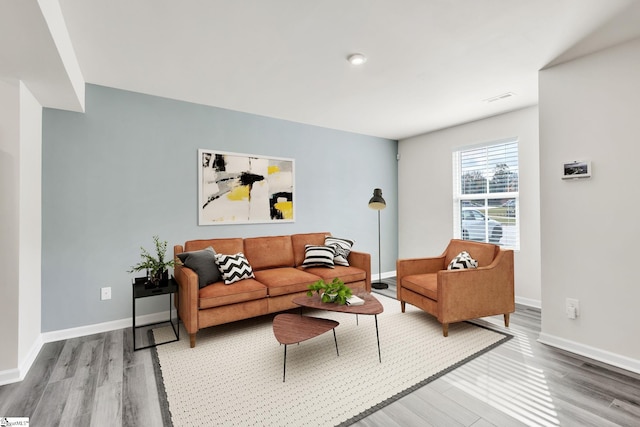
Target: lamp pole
<point x="378" y="203"/>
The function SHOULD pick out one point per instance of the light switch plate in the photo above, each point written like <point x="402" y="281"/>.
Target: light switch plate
<point x="105" y="293"/>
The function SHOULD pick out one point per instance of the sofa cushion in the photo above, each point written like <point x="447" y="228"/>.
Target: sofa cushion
<point x="318" y="256"/>
<point x="234" y="267"/>
<point x="269" y="252"/>
<point x="218" y="294"/>
<point x="423" y="284"/>
<point x="203" y="262"/>
<point x="346" y="274"/>
<point x="462" y="261"/>
<point x="300" y="241"/>
<point x="221" y="246"/>
<point x="342" y="249"/>
<point x="287" y="280"/>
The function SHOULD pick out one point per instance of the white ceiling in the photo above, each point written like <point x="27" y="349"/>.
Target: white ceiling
<point x="431" y="63"/>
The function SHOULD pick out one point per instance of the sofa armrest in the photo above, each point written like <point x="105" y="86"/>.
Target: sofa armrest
<point x="187" y="280"/>
<point x="362" y="260"/>
<point x="409" y="266"/>
<point x="472" y="293"/>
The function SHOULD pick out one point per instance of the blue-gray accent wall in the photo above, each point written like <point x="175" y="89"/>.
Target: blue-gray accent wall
<point x="126" y="170"/>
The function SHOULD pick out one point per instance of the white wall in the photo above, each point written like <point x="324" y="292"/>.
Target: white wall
<point x="9" y="197"/>
<point x="29" y="255"/>
<point x="425" y="186"/>
<point x="20" y="229"/>
<point x="590" y="109"/>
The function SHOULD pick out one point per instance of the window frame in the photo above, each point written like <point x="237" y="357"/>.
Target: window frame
<point x="489" y="200"/>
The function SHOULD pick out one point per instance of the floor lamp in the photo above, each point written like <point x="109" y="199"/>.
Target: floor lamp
<point x="378" y="203"/>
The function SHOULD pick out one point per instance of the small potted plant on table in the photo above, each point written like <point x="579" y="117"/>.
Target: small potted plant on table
<point x="156" y="267"/>
<point x="336" y="291"/>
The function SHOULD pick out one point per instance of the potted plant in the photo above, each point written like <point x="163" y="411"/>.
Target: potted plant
<point x="156" y="267"/>
<point x="336" y="291"/>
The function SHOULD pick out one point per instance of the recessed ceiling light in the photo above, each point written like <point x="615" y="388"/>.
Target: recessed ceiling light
<point x="357" y="59"/>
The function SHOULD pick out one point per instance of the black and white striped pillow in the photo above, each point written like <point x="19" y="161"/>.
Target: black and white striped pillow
<point x="234" y="267"/>
<point x="318" y="256"/>
<point x="342" y="248"/>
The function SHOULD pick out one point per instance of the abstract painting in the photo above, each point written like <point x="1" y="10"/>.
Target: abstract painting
<point x="243" y="188"/>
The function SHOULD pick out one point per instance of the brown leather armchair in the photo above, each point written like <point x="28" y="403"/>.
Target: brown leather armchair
<point x="457" y="295"/>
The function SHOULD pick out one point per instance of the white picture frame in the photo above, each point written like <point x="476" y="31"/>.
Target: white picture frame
<point x="235" y="188"/>
<point x="576" y="169"/>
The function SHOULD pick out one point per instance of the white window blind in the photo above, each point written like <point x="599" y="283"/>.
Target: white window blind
<point x="486" y="194"/>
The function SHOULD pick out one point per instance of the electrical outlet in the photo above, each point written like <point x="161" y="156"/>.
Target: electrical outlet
<point x="105" y="293"/>
<point x="572" y="307"/>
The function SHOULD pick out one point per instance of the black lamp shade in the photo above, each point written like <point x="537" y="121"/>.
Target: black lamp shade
<point x="377" y="202"/>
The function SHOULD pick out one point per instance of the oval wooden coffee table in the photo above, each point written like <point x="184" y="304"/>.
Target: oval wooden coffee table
<point x="371" y="306"/>
<point x="294" y="328"/>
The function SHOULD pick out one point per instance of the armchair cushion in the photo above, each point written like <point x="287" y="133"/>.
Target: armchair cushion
<point x="484" y="253"/>
<point x="423" y="284"/>
<point x="462" y="261"/>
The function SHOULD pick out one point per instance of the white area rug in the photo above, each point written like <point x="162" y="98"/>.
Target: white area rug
<point x="234" y="374"/>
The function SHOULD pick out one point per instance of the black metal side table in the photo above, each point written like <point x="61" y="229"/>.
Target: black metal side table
<point x="141" y="290"/>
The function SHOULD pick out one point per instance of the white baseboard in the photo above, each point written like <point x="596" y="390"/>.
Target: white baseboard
<point x="385" y="275"/>
<point x="15" y="375"/>
<point x="529" y="302"/>
<point x="604" y="356"/>
<point x="81" y="331"/>
<point x="9" y="376"/>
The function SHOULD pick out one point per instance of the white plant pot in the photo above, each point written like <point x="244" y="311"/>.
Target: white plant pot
<point x="332" y="297"/>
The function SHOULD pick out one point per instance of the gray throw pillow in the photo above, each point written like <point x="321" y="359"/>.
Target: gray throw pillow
<point x="203" y="262"/>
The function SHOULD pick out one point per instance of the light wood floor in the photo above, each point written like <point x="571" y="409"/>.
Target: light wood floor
<point x="99" y="381"/>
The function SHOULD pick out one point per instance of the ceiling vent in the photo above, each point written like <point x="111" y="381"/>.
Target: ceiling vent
<point x="500" y="97"/>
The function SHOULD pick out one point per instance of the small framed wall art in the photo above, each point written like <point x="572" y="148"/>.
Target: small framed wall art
<point x="238" y="188"/>
<point x="576" y="169"/>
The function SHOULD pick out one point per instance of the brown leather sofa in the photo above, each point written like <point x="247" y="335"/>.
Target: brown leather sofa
<point x="457" y="295"/>
<point x="276" y="262"/>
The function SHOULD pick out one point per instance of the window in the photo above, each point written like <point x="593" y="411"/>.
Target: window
<point x="485" y="194"/>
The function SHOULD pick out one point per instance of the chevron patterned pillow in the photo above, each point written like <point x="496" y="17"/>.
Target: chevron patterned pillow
<point x="342" y="248"/>
<point x="234" y="267"/>
<point x="461" y="261"/>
